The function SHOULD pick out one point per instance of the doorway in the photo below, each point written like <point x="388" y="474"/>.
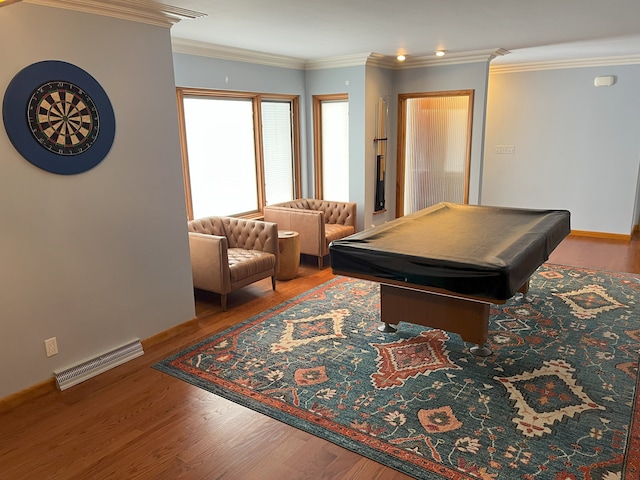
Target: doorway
<point x="434" y="149"/>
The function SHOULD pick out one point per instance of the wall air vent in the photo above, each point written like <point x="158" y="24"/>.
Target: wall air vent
<point x="83" y="371"/>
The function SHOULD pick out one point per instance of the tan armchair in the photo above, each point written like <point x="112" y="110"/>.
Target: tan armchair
<point x="229" y="253"/>
<point x="318" y="222"/>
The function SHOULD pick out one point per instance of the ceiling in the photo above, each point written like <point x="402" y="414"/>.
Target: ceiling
<point x="532" y="31"/>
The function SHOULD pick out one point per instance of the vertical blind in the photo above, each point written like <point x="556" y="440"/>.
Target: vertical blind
<point x="435" y="151"/>
<point x="277" y="149"/>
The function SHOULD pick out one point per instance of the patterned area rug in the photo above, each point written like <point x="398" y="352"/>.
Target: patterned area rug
<point x="555" y="401"/>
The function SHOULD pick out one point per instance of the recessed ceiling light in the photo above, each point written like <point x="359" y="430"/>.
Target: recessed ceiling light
<point x="440" y="53"/>
<point x="401" y="58"/>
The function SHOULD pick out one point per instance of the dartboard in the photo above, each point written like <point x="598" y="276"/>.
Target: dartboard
<point x="58" y="117"/>
<point x="63" y="118"/>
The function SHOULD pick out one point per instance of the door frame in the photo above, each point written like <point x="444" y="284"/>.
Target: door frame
<point x="402" y="138"/>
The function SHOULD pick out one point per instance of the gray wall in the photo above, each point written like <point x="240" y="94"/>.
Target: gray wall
<point x="350" y="80"/>
<point x="577" y="147"/>
<point x="380" y="83"/>
<point x="100" y="258"/>
<point x="206" y="72"/>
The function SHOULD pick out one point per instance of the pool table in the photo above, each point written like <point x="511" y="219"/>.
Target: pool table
<point x="444" y="266"/>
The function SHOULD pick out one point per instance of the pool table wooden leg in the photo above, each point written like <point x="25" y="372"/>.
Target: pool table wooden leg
<point x="523" y="294"/>
<point x="467" y="318"/>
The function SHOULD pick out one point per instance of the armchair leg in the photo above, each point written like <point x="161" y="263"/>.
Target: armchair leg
<point x="223" y="302"/>
<point x="273" y="282"/>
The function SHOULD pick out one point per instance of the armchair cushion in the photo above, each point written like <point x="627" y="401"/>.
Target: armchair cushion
<point x="334" y="231"/>
<point x="247" y="263"/>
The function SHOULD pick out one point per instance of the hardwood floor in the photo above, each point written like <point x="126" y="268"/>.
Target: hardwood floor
<point x="133" y="422"/>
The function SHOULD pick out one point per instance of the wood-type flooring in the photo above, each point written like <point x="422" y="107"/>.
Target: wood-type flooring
<point x="134" y="422"/>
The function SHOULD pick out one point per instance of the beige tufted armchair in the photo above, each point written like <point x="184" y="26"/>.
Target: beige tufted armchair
<point x="228" y="253"/>
<point x="318" y="222"/>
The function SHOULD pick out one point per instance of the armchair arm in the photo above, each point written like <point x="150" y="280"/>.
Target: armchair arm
<point x="308" y="223"/>
<point x="210" y="262"/>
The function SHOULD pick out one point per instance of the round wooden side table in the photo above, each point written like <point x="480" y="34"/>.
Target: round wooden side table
<point x="289" y="247"/>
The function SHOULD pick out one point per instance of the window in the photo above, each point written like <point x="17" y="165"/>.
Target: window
<point x="278" y="152"/>
<point x="240" y="151"/>
<point x="331" y="146"/>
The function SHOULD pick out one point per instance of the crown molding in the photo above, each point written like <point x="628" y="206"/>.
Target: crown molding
<point x="355" y="60"/>
<point x="203" y="49"/>
<point x="380" y="60"/>
<point x="142" y="11"/>
<point x="452" y="58"/>
<point x="568" y="63"/>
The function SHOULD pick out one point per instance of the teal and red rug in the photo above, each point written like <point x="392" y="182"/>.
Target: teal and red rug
<point x="555" y="401"/>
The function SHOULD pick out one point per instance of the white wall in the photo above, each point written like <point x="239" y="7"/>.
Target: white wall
<point x="99" y="258"/>
<point x="577" y="147"/>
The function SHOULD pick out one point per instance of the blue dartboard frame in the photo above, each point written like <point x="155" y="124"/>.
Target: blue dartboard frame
<point x="16" y="122"/>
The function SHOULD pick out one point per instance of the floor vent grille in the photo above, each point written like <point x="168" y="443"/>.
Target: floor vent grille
<point x="95" y="366"/>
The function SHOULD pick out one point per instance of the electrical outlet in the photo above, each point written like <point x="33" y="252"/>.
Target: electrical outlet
<point x="504" y="149"/>
<point x="51" y="346"/>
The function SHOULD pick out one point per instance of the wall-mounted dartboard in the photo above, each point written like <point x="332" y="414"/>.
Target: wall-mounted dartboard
<point x="58" y="117"/>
